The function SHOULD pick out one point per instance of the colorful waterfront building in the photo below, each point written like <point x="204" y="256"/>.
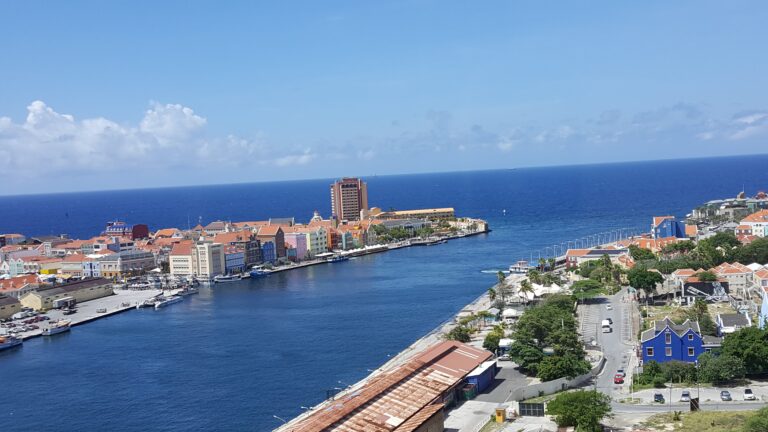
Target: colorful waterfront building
<point x="297" y="242"/>
<point x="667" y="226"/>
<point x="349" y="196"/>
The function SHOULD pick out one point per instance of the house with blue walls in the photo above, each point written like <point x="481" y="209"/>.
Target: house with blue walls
<point x="667" y="341"/>
<point x="667" y="226"/>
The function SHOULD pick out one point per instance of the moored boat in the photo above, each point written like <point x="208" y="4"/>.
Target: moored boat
<point x="57" y="327"/>
<point x="337" y="258"/>
<point x="226" y="278"/>
<point x="8" y="342"/>
<point x="161" y="303"/>
<point x="520" y="267"/>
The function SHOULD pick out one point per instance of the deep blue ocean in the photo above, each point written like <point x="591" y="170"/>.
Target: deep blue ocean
<point x="234" y="356"/>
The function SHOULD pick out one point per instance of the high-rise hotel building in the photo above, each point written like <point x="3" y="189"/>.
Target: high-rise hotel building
<point x="348" y="197"/>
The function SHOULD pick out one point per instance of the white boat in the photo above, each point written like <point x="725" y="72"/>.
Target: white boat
<point x="227" y="278"/>
<point x="188" y="291"/>
<point x="7" y="342"/>
<point x="337" y="258"/>
<point x="58" y="327"/>
<point x="520" y="267"/>
<point x="160" y="303"/>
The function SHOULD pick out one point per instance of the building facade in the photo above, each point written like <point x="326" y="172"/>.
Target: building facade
<point x="349" y="196"/>
<point x="81" y="291"/>
<point x="667" y="341"/>
<point x="208" y="259"/>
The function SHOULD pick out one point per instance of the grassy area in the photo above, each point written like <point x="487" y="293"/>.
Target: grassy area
<point x="710" y="421"/>
<point x="492" y="426"/>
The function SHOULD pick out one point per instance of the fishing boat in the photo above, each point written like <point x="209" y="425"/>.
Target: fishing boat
<point x="8" y="342"/>
<point x="226" y="278"/>
<point x="57" y="327"/>
<point x="161" y="303"/>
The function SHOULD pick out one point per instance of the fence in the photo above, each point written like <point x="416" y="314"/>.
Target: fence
<point x="554" y="386"/>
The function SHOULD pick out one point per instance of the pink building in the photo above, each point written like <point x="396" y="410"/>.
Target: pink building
<point x="297" y="241"/>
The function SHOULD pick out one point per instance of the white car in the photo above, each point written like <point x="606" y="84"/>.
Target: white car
<point x="609" y="306"/>
<point x="748" y="395"/>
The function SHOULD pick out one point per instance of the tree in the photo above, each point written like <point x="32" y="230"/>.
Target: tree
<point x="757" y="422"/>
<point x="491" y="294"/>
<point x="491" y="342"/>
<point x="459" y="333"/>
<point x="751" y="346"/>
<point x="706" y="276"/>
<point x="700" y="312"/>
<point x="583" y="409"/>
<point x="640" y="278"/>
<point x="527" y="356"/>
<point x="757" y="251"/>
<point x="558" y="366"/>
<point x="718" y="369"/>
<point x="501" y="277"/>
<point x="586" y="288"/>
<point x="525" y="289"/>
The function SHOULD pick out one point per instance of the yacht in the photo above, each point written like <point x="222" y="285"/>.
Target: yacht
<point x="226" y="278"/>
<point x="520" y="267"/>
<point x="7" y="342"/>
<point x="338" y="258"/>
<point x="57" y="327"/>
<point x="258" y="271"/>
<point x="161" y="303"/>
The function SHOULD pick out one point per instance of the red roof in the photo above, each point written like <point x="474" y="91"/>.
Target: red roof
<point x="182" y="248"/>
<point x="761" y="216"/>
<point x="659" y="219"/>
<point x="17" y="282"/>
<point x="269" y="230"/>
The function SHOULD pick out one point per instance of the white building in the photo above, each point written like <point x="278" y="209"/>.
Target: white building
<point x="758" y="222"/>
<point x="208" y="259"/>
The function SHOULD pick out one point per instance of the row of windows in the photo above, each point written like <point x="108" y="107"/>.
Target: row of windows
<point x="668" y="352"/>
<point x="668" y="338"/>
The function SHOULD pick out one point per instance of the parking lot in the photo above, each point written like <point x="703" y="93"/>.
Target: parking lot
<point x="705" y="394"/>
<point x="86" y="311"/>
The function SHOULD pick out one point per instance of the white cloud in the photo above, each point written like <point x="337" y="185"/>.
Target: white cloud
<point x="168" y="135"/>
<point x="750" y="126"/>
<point x="296" y="159"/>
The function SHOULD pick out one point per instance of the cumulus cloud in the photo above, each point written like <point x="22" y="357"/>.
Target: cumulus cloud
<point x="168" y="135"/>
<point x="750" y="125"/>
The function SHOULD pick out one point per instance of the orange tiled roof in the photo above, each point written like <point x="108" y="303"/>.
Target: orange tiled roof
<point x="659" y="219"/>
<point x="761" y="216"/>
<point x="691" y="230"/>
<point x="17" y="282"/>
<point x="166" y="232"/>
<point x="182" y="248"/>
<point x="269" y="230"/>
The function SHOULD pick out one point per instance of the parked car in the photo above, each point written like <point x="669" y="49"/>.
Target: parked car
<point x="618" y="379"/>
<point x="658" y="397"/>
<point x="686" y="396"/>
<point x="725" y="395"/>
<point x="609" y="306"/>
<point x="748" y="395"/>
<point x="610" y="321"/>
<point x="621" y="372"/>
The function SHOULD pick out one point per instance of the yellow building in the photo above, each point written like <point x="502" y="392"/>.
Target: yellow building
<point x="8" y="306"/>
<point x="431" y="214"/>
<point x="81" y="291"/>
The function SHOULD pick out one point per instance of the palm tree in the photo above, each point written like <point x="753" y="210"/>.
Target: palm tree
<point x="542" y="263"/>
<point x="551" y="262"/>
<point x="525" y="288"/>
<point x="492" y="294"/>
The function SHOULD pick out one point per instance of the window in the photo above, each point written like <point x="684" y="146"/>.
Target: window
<point x="668" y="338"/>
<point x="649" y="352"/>
<point x="690" y="337"/>
<point x="668" y="351"/>
<point x="690" y="352"/>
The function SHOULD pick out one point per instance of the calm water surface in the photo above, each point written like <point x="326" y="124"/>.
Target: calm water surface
<point x="234" y="356"/>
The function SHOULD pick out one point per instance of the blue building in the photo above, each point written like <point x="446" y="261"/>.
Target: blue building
<point x="234" y="260"/>
<point x="268" y="253"/>
<point x="667" y="341"/>
<point x="667" y="226"/>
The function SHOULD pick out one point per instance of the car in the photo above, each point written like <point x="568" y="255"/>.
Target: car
<point x="725" y="395"/>
<point x="609" y="306"/>
<point x="621" y="372"/>
<point x="658" y="397"/>
<point x="686" y="396"/>
<point x="618" y="379"/>
<point x="748" y="395"/>
<point x="610" y="321"/>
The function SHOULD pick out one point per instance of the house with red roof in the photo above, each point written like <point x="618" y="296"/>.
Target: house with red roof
<point x="19" y="285"/>
<point x="757" y="222"/>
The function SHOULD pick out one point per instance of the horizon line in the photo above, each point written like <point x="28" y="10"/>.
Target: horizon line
<point x="383" y="175"/>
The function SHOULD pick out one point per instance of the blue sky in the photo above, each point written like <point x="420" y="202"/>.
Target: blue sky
<point x="100" y="95"/>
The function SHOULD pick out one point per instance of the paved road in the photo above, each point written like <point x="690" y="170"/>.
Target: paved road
<point x="617" y="345"/>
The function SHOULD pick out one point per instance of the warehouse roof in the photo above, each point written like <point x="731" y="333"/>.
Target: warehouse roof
<point x="73" y="286"/>
<point x="399" y="400"/>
